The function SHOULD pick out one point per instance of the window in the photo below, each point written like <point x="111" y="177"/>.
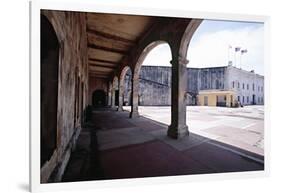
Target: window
<point x="258" y="88"/>
<point x="253" y="86"/>
<point x="238" y="85"/>
<point x="247" y="99"/>
<point x="262" y="88"/>
<point x="217" y="84"/>
<point x="238" y="98"/>
<point x="247" y="86"/>
<point x="243" y="99"/>
<point x="243" y="86"/>
<point x="233" y="84"/>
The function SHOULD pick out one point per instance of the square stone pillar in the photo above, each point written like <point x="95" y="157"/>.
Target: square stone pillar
<point x="109" y="97"/>
<point x="113" y="98"/>
<point x="121" y="93"/>
<point x="178" y="127"/>
<point x="134" y="98"/>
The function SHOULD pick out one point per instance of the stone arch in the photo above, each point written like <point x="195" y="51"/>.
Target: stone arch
<point x="144" y="53"/>
<point x="186" y="38"/>
<point x="49" y="64"/>
<point x="115" y="82"/>
<point x="122" y="97"/>
<point x="123" y="73"/>
<point x="136" y="71"/>
<point x="114" y="92"/>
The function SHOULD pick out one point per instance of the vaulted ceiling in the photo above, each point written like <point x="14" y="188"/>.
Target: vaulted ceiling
<point x="110" y="39"/>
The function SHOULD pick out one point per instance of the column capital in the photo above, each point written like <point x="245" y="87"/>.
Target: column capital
<point x="181" y="61"/>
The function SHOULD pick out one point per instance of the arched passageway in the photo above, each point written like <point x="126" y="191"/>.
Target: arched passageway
<point x="135" y="99"/>
<point x="124" y="88"/>
<point x="99" y="98"/>
<point x="49" y="89"/>
<point x="115" y="93"/>
<point x="155" y="77"/>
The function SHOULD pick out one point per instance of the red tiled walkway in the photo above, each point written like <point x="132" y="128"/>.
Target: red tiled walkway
<point x="131" y="148"/>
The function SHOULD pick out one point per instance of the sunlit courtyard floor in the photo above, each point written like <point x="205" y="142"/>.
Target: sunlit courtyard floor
<point x="239" y="127"/>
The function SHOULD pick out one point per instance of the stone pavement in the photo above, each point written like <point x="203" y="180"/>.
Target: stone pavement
<point x="239" y="127"/>
<point x="116" y="147"/>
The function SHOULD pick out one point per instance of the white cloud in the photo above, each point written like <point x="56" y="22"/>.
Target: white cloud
<point x="210" y="49"/>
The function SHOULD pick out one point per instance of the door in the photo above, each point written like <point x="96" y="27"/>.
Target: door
<point x="205" y="100"/>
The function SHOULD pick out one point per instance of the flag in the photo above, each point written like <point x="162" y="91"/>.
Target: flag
<point x="237" y="49"/>
<point x="244" y="51"/>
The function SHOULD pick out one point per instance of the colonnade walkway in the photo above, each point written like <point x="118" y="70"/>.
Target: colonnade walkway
<point x="114" y="146"/>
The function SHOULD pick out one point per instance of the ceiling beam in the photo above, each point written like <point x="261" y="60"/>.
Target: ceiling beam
<point x="100" y="65"/>
<point x="94" y="46"/>
<point x="104" y="61"/>
<point x="109" y="36"/>
<point x="98" y="76"/>
<point x="99" y="72"/>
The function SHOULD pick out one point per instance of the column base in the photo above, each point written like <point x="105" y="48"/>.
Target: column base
<point x="134" y="114"/>
<point x="178" y="131"/>
<point x="120" y="109"/>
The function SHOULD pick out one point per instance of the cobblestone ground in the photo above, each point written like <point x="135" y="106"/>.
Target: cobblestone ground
<point x="240" y="127"/>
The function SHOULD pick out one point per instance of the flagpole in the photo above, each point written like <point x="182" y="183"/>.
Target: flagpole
<point x="240" y="60"/>
<point x="242" y="52"/>
<point x="235" y="58"/>
<point x="228" y="53"/>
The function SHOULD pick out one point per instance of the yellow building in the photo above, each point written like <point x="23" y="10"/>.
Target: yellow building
<point x="216" y="98"/>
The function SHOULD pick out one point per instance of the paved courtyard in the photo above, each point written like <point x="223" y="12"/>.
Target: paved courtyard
<point x="114" y="146"/>
<point x="239" y="127"/>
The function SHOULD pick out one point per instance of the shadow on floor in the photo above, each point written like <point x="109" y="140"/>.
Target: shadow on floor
<point x="114" y="146"/>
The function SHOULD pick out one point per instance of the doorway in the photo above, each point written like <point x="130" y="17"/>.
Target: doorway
<point x="99" y="98"/>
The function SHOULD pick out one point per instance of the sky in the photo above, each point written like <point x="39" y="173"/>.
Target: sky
<point x="213" y="44"/>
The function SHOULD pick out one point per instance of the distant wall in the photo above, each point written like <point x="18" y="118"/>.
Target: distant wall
<point x="97" y="84"/>
<point x="155" y="84"/>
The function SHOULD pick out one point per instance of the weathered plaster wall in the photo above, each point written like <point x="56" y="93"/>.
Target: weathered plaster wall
<point x="155" y="85"/>
<point x="70" y="28"/>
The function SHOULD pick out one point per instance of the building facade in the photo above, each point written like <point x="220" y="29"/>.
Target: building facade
<point x="216" y="86"/>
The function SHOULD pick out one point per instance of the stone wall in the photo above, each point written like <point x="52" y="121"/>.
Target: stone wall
<point x="97" y="84"/>
<point x="155" y="84"/>
<point x="70" y="28"/>
<point x="210" y="78"/>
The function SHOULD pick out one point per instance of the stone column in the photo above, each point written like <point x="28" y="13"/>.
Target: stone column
<point x="109" y="98"/>
<point x="178" y="127"/>
<point x="121" y="92"/>
<point x="134" y="98"/>
<point x="113" y="97"/>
